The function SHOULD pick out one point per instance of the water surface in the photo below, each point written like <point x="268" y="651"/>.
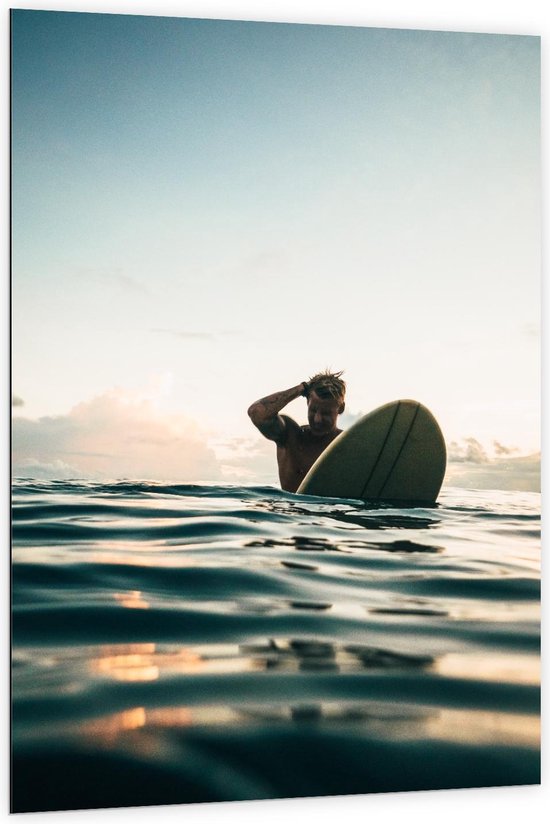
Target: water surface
<point x="179" y="643"/>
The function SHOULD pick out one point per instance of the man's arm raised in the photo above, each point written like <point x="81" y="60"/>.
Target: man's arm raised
<point x="264" y="413"/>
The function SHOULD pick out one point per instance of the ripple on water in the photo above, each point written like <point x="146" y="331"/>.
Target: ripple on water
<point x="180" y="642"/>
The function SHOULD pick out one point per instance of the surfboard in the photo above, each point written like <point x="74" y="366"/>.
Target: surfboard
<point x="394" y="453"/>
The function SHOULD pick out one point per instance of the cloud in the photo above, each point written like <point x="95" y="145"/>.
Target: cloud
<point x="347" y="419"/>
<point x="109" y="276"/>
<point x="33" y="468"/>
<point x="17" y="401"/>
<point x="471" y="451"/>
<point x="247" y="460"/>
<point x="114" y="436"/>
<point x="469" y="465"/>
<point x="128" y="283"/>
<point x="504" y="450"/>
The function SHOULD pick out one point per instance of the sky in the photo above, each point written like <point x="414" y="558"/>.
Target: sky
<point x="206" y="211"/>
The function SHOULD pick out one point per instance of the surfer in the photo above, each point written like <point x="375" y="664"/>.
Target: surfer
<point x="298" y="447"/>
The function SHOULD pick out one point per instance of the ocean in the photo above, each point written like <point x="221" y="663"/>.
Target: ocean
<point x="190" y="643"/>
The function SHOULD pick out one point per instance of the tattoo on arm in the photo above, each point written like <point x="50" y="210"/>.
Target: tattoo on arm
<point x="274" y="429"/>
<point x="264" y="413"/>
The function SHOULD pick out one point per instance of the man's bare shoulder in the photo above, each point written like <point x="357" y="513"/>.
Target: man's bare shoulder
<point x="293" y="431"/>
<point x="279" y="429"/>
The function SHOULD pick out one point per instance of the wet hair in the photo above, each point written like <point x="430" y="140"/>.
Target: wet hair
<point x="328" y="384"/>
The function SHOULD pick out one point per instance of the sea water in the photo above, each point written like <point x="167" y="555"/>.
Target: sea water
<point x="180" y="643"/>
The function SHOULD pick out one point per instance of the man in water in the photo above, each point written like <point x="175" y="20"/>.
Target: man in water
<point x="298" y="447"/>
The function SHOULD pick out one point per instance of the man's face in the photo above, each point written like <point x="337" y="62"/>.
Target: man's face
<point x="322" y="414"/>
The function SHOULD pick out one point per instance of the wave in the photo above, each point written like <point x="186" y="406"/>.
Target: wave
<point x="195" y="634"/>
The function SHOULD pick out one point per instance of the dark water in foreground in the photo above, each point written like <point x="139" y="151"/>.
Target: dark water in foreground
<point x="199" y="643"/>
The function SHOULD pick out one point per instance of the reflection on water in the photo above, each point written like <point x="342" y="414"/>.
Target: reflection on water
<point x="183" y="643"/>
<point x="374" y="515"/>
<point x="409" y="723"/>
<point x="132" y="600"/>
<point x="148" y="662"/>
<point x="306" y="544"/>
<point x="145" y="662"/>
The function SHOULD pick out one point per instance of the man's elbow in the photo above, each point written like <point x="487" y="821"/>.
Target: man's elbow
<point x="254" y="413"/>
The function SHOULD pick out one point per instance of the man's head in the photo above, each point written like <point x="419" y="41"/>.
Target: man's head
<point x="326" y="392"/>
